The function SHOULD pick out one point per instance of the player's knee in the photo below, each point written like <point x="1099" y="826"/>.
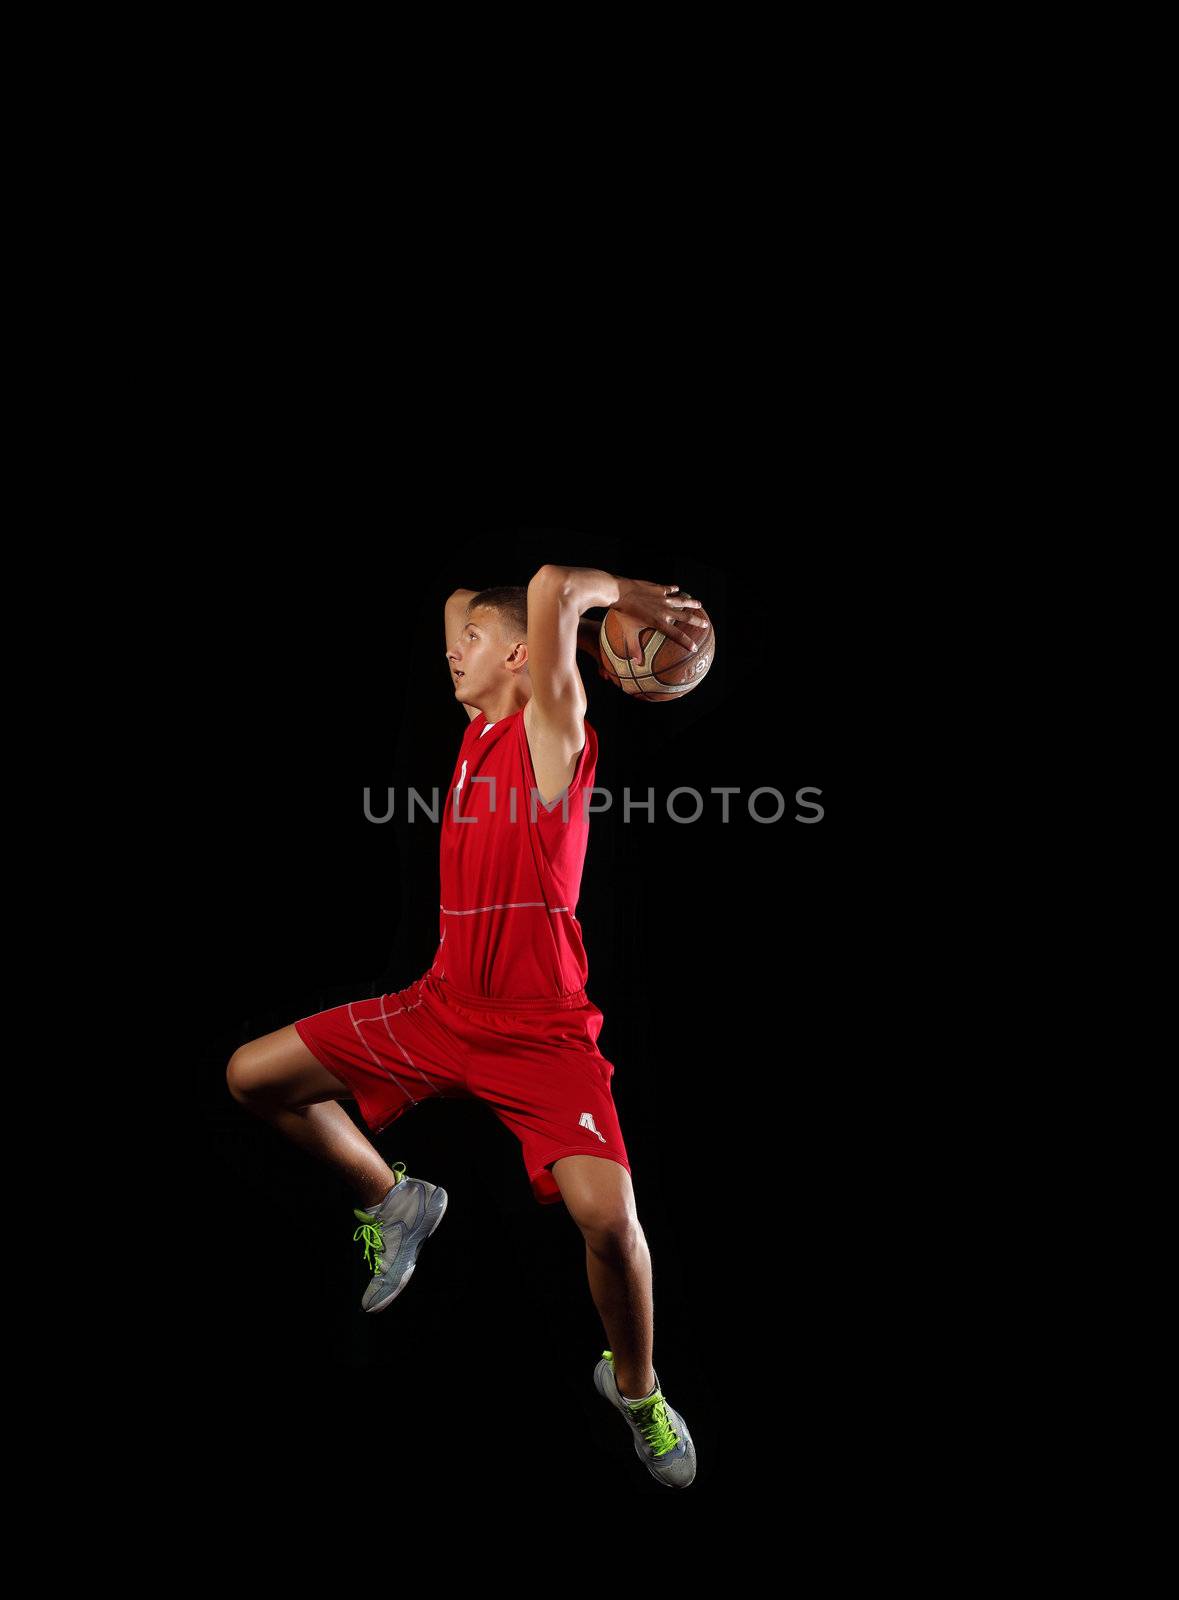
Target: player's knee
<point x="610" y="1227"/>
<point x="244" y="1076"/>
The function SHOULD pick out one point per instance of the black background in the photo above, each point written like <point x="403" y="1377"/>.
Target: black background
<point x="745" y="973"/>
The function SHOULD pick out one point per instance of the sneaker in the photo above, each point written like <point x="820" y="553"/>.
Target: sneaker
<point x="662" y="1441"/>
<point x="394" y="1232"/>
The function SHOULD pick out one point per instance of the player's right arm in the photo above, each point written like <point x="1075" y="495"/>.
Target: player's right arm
<point x="456" y="610"/>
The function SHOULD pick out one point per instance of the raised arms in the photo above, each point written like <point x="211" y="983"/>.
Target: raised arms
<point x="554" y="716"/>
<point x="557" y="596"/>
<point x="648" y="605"/>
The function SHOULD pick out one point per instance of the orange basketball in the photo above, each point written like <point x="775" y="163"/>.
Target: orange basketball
<point x="668" y="669"/>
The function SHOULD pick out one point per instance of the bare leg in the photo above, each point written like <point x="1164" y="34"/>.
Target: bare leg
<point x="600" y="1198"/>
<point x="620" y="1282"/>
<point x="278" y="1079"/>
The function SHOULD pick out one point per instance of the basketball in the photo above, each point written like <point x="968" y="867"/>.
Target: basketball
<point x="667" y="669"/>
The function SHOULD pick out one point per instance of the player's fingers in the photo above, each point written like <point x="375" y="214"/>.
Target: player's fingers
<point x="696" y="614"/>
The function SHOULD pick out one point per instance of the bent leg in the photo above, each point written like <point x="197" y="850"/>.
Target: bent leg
<point x="599" y="1196"/>
<point x="278" y="1079"/>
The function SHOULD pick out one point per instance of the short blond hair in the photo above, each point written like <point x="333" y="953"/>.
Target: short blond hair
<point x="510" y="603"/>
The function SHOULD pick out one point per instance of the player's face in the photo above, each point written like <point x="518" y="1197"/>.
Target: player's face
<point x="474" y="655"/>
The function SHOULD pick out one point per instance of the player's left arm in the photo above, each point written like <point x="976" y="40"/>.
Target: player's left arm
<point x="558" y="694"/>
<point x="554" y="718"/>
<point x="645" y="605"/>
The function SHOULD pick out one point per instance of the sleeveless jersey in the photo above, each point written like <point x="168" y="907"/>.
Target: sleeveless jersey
<point x="510" y="870"/>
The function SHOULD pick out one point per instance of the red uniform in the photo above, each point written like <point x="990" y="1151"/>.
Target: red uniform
<point x="502" y="1014"/>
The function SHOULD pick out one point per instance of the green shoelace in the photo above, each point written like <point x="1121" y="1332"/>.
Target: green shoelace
<point x="370" y="1230"/>
<point x="651" y="1418"/>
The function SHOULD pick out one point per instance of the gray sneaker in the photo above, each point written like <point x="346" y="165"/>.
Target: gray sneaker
<point x="662" y="1441"/>
<point x="393" y="1234"/>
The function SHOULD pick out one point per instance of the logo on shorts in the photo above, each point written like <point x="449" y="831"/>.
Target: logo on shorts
<point x="586" y="1120"/>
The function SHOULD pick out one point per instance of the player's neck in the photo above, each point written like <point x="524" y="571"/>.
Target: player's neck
<point x="505" y="705"/>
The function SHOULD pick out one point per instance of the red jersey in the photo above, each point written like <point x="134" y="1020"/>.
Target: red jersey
<point x="510" y="869"/>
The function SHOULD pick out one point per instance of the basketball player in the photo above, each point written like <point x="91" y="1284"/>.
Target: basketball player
<point x="502" y="1013"/>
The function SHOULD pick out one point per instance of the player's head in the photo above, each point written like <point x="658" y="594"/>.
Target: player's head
<point x="492" y="645"/>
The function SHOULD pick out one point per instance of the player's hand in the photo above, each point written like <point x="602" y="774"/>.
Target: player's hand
<point x="662" y="606"/>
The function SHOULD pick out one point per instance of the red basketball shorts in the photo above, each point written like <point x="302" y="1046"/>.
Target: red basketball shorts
<point x="536" y="1064"/>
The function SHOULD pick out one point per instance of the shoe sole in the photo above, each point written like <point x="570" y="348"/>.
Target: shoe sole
<point x="681" y="1428"/>
<point x="412" y="1253"/>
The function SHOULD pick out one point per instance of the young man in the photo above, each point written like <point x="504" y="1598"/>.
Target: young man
<point x="502" y="1013"/>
